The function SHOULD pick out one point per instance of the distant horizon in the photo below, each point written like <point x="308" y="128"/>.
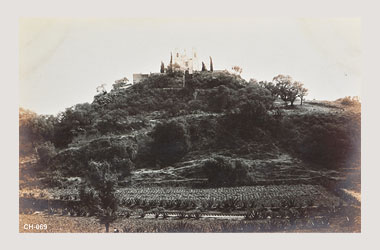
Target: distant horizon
<point x="62" y="61"/>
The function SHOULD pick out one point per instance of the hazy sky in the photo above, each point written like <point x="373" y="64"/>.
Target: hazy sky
<point x="62" y="61"/>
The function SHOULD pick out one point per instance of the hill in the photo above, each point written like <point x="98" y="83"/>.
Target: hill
<point x="206" y="129"/>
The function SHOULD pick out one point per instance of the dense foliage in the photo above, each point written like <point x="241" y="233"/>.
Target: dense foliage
<point x="98" y="195"/>
<point x="168" y="117"/>
<point x="221" y="171"/>
<point x="120" y="154"/>
<point x="323" y="139"/>
<point x="170" y="142"/>
<point x="34" y="130"/>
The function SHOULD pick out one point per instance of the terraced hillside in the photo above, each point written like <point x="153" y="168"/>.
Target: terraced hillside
<point x="217" y="140"/>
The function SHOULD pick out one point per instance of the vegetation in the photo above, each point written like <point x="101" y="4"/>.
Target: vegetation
<point x="334" y="223"/>
<point x="162" y="69"/>
<point x="286" y="88"/>
<point x="101" y="195"/>
<point x="237" y="69"/>
<point x="349" y="101"/>
<point x="34" y="130"/>
<point x="46" y="152"/>
<point x="217" y="132"/>
<point x="222" y="172"/>
<point x="248" y="116"/>
<point x="118" y="153"/>
<point x="204" y="67"/>
<point x="215" y="199"/>
<point x="170" y="142"/>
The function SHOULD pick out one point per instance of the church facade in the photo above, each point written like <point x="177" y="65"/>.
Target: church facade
<point x="185" y="61"/>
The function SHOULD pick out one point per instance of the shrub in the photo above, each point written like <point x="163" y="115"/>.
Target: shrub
<point x="71" y="122"/>
<point x="88" y="199"/>
<point x="349" y="101"/>
<point x="328" y="140"/>
<point x="103" y="180"/>
<point x="326" y="144"/>
<point x="170" y="142"/>
<point x="34" y="129"/>
<point x="120" y="153"/>
<point x="221" y="171"/>
<point x="46" y="152"/>
<point x="196" y="105"/>
<point x="207" y="80"/>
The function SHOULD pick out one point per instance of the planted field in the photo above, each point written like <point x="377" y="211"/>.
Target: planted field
<point x="65" y="224"/>
<point x="247" y="196"/>
<point x="275" y="208"/>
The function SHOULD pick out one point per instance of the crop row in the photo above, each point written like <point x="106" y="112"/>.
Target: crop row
<point x="243" y="197"/>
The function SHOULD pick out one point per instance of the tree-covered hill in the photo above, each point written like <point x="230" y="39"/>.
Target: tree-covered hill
<point x="213" y="126"/>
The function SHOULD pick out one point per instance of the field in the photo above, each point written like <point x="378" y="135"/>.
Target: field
<point x="67" y="224"/>
<point x="273" y="208"/>
<point x="212" y="199"/>
<point x="260" y="208"/>
<point x="268" y="196"/>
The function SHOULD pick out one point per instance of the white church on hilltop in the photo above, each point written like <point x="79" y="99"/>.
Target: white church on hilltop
<point x="186" y="62"/>
<point x="181" y="61"/>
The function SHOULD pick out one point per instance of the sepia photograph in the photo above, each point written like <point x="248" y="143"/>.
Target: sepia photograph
<point x="189" y="125"/>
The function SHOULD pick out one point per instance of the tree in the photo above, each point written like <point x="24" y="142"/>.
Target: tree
<point x="170" y="67"/>
<point x="270" y="86"/>
<point x="71" y="122"/>
<point x="302" y="92"/>
<point x="287" y="89"/>
<point x="170" y="142"/>
<point x="46" y="153"/>
<point x="237" y="69"/>
<point x="101" y="88"/>
<point x="34" y="129"/>
<point x="204" y="67"/>
<point x="350" y="101"/>
<point x="221" y="171"/>
<point x="162" y="70"/>
<point x="253" y="81"/>
<point x="103" y="181"/>
<point x="211" y="65"/>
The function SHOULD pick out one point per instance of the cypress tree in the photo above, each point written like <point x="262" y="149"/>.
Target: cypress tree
<point x="162" y="67"/>
<point x="203" y="67"/>
<point x="170" y="67"/>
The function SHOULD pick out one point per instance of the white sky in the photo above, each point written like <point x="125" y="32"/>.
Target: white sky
<point x="62" y="61"/>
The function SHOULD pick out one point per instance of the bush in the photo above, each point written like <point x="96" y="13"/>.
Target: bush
<point x="327" y="140"/>
<point x="328" y="144"/>
<point x="205" y="80"/>
<point x="349" y="101"/>
<point x="101" y="182"/>
<point x="220" y="98"/>
<point x="88" y="199"/>
<point x="46" y="152"/>
<point x="120" y="153"/>
<point x="170" y="142"/>
<point x="221" y="171"/>
<point x="71" y="122"/>
<point x="196" y="105"/>
<point x="34" y="129"/>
